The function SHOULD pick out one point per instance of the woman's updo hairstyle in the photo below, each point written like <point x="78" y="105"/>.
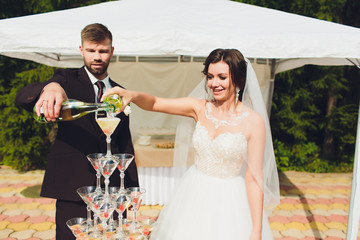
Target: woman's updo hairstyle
<point x="236" y="62"/>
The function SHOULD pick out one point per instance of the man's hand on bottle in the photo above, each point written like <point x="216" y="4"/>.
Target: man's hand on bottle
<point x="50" y="100"/>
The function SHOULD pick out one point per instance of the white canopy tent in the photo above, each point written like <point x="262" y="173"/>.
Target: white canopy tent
<point x="184" y="29"/>
<point x="182" y="33"/>
<point x="160" y="44"/>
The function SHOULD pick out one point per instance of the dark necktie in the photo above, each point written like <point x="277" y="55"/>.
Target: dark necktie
<point x="100" y="86"/>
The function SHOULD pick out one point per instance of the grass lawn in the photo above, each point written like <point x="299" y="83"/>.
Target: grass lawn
<point x="32" y="192"/>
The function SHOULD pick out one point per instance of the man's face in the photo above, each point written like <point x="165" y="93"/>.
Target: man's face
<point x="97" y="57"/>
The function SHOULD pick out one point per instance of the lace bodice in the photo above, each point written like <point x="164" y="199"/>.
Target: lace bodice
<point x="220" y="157"/>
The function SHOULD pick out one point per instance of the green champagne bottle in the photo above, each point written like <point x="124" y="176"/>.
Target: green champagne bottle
<point x="73" y="109"/>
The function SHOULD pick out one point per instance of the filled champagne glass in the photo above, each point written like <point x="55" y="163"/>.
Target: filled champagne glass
<point x="108" y="123"/>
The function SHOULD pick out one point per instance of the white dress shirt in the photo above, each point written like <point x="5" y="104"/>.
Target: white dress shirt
<point x="93" y="80"/>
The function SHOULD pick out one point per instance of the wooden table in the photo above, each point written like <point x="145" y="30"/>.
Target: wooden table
<point x="151" y="156"/>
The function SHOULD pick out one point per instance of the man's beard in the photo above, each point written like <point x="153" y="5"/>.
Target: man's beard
<point x="99" y="71"/>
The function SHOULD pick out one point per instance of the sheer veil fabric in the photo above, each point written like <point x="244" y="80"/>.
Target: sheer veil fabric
<point x="252" y="98"/>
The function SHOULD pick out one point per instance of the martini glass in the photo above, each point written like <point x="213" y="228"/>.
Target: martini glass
<point x="147" y="227"/>
<point x="135" y="194"/>
<point x="78" y="227"/>
<point x="86" y="195"/>
<point x="105" y="210"/>
<point x="107" y="124"/>
<point x="108" y="165"/>
<point x="95" y="204"/>
<point x="94" y="160"/>
<point x="124" y="162"/>
<point x="122" y="201"/>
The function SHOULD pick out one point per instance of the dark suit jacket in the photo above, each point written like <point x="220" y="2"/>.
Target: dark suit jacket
<point x="68" y="168"/>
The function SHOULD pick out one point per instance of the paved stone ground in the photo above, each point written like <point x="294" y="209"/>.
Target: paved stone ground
<point x="20" y="217"/>
<point x="313" y="206"/>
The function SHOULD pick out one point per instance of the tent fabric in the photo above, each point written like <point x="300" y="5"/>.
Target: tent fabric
<point x="171" y="27"/>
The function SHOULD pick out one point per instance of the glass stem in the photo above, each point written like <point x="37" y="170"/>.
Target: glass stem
<point x="122" y="175"/>
<point x="96" y="228"/>
<point x="120" y="227"/>
<point x="111" y="219"/>
<point x="88" y="215"/>
<point x="98" y="176"/>
<point x="107" y="181"/>
<point x="108" y="141"/>
<point x="134" y="212"/>
<point x="104" y="225"/>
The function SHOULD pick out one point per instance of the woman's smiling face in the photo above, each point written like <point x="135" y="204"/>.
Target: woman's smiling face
<point x="219" y="81"/>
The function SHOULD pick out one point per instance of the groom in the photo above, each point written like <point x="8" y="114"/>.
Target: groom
<point x="68" y="168"/>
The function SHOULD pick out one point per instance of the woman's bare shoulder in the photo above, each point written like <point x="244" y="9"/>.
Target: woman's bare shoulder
<point x="254" y="118"/>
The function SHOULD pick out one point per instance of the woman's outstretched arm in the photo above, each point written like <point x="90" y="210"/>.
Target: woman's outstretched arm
<point x="177" y="106"/>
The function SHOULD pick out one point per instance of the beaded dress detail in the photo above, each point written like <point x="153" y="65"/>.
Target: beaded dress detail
<point x="220" y="157"/>
<point x="221" y="123"/>
<point x="223" y="155"/>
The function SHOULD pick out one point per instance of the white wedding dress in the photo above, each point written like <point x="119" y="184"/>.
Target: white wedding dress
<point x="210" y="201"/>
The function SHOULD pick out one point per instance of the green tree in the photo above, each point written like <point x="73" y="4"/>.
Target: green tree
<point x="24" y="144"/>
<point x="16" y="8"/>
<point x="300" y="117"/>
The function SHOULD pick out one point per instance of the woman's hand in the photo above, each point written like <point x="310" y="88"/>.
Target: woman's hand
<point x="177" y="106"/>
<point x="126" y="96"/>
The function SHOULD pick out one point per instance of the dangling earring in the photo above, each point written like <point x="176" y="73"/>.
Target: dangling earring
<point x="237" y="91"/>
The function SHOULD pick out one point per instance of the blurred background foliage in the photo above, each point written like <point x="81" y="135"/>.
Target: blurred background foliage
<point x="314" y="110"/>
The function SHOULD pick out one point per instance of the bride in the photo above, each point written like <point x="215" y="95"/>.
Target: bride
<point x="233" y="181"/>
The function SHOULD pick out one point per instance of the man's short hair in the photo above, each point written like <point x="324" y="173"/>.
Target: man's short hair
<point x="95" y="32"/>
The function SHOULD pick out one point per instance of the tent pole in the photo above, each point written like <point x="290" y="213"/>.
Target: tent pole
<point x="272" y="85"/>
<point x="354" y="209"/>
